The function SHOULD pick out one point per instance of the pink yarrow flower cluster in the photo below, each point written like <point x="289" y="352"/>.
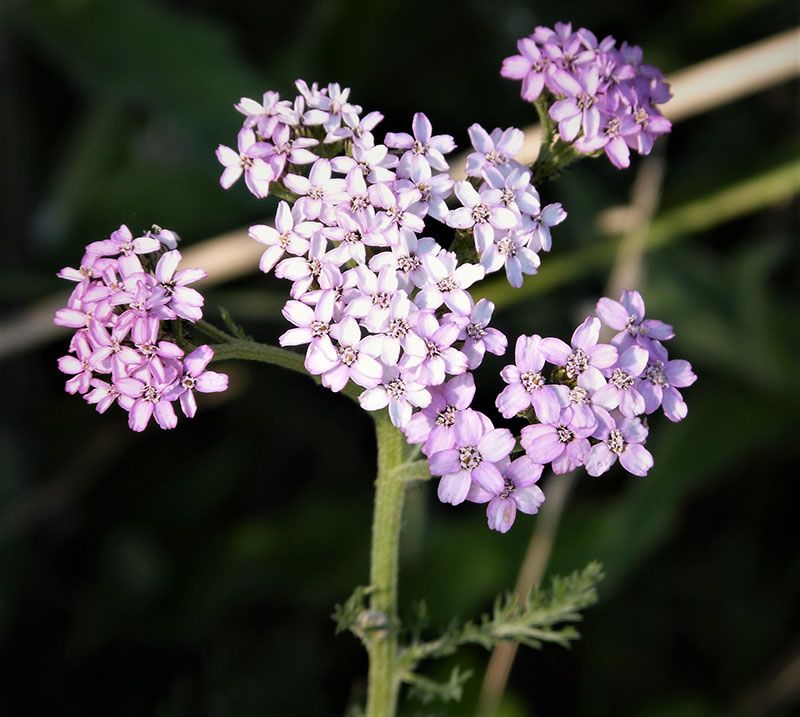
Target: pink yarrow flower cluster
<point x="377" y="303"/>
<point x="590" y="408"/>
<point x="603" y="97"/>
<point x="126" y="289"/>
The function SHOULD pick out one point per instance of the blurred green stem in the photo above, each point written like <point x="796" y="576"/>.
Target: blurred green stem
<point x="244" y="350"/>
<point x="382" y="645"/>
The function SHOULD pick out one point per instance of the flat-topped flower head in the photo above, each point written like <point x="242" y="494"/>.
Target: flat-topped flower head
<point x="601" y="96"/>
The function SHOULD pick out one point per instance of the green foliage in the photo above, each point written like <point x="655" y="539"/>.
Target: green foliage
<point x="546" y="615"/>
<point x="427" y="690"/>
<point x="232" y="326"/>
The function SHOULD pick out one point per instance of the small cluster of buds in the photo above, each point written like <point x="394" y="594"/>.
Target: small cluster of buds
<point x="603" y="97"/>
<point x="126" y="288"/>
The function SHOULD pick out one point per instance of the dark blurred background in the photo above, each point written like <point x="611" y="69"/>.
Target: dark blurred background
<point x="193" y="572"/>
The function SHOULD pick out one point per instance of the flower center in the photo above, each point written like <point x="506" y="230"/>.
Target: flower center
<point x="495" y="157"/>
<point x="432" y="349"/>
<point x="584" y="100"/>
<point x="396" y="388"/>
<point x="633" y="328"/>
<point x="621" y="379"/>
<point x="615" y="441"/>
<point x="398" y="328"/>
<point x="347" y="355"/>
<point x="188" y="381"/>
<point x="565" y="435"/>
<point x="469" y="457"/>
<point x="531" y="381"/>
<point x="480" y="213"/>
<point x="507" y="247"/>
<point x="507" y="195"/>
<point x="578" y="396"/>
<point x="319" y="328"/>
<point x="612" y="130"/>
<point x="381" y="300"/>
<point x="446" y="284"/>
<point x="577" y="363"/>
<point x="359" y="202"/>
<point x="407" y="264"/>
<point x="508" y="488"/>
<point x="419" y="147"/>
<point x="150" y="393"/>
<point x="447" y="417"/>
<point x="476" y="331"/>
<point x="655" y="374"/>
<point x="314" y="267"/>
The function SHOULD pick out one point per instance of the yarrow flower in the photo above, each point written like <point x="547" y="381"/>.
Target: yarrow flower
<point x="128" y="290"/>
<point x="377" y="303"/>
<point x="601" y="96"/>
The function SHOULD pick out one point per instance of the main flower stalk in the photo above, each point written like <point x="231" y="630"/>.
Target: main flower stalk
<point x="382" y="642"/>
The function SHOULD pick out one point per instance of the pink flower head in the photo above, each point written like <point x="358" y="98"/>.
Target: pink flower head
<point x="623" y="442"/>
<point x="527" y="386"/>
<point x="626" y="316"/>
<point x="483" y="211"/>
<point x="492" y="150"/>
<point x="350" y="358"/>
<point x="400" y="392"/>
<point x="477" y="451"/>
<point x="290" y="234"/>
<point x="516" y="491"/>
<point x="584" y="360"/>
<point x="248" y="160"/>
<point x="195" y="377"/>
<point x="422" y="144"/>
<point x="434" y="425"/>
